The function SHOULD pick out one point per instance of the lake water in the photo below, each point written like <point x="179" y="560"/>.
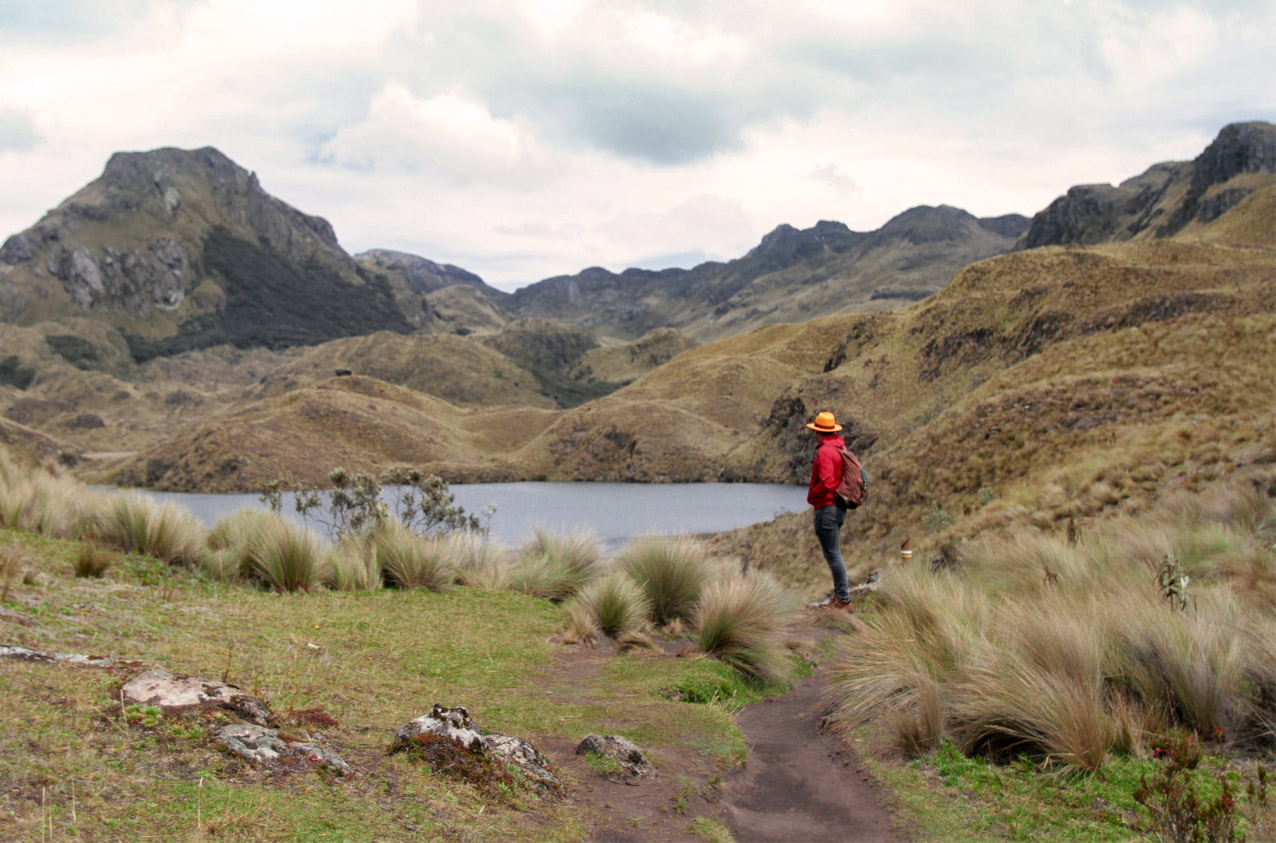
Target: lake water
<point x="616" y="512"/>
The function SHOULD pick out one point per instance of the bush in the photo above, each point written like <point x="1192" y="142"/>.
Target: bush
<point x="671" y="570"/>
<point x="741" y="621"/>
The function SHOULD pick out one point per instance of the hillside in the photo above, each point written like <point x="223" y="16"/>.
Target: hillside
<point x="790" y="276"/>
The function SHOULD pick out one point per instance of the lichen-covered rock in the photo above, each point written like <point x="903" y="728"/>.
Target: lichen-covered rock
<point x="449" y="739"/>
<point x="453" y="723"/>
<point x="179" y="694"/>
<point x="633" y="763"/>
<point x="526" y="758"/>
<point x="259" y="745"/>
<point x="76" y="659"/>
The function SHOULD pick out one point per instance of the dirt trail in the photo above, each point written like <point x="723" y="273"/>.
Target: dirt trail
<point x="801" y="784"/>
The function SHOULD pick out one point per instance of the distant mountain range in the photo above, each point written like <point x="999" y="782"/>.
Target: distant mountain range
<point x="180" y="250"/>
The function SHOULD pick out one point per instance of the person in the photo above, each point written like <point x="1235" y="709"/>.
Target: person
<point x="830" y="514"/>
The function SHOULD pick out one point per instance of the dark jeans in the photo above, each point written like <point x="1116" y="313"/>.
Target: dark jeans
<point x="828" y="529"/>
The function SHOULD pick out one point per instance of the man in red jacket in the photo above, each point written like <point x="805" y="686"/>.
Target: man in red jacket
<point x="830" y="515"/>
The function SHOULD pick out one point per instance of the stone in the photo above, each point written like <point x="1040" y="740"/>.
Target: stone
<point x="179" y="694"/>
<point x="453" y="723"/>
<point x="633" y="763"/>
<point x="526" y="758"/>
<point x="259" y="745"/>
<point x="74" y="659"/>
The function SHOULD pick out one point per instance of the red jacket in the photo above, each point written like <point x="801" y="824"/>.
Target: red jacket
<point x="826" y="471"/>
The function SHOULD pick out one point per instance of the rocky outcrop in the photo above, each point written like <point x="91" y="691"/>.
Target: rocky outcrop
<point x="450" y="740"/>
<point x="181" y="694"/>
<point x="259" y="746"/>
<point x="1164" y="199"/>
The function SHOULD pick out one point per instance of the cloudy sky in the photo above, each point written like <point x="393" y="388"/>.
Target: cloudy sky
<point x="527" y="138"/>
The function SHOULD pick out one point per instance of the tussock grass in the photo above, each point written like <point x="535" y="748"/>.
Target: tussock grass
<point x="12" y="561"/>
<point x="411" y="561"/>
<point x="287" y="557"/>
<point x="353" y="564"/>
<point x="1001" y="658"/>
<point x="45" y="501"/>
<point x="742" y="621"/>
<point x="229" y="541"/>
<point x="137" y="524"/>
<point x="671" y="570"/>
<point x="555" y="567"/>
<point x="92" y="560"/>
<point x="580" y="622"/>
<point x="616" y="603"/>
<point x="479" y="561"/>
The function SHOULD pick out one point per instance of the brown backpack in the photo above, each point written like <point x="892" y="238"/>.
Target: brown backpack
<point x="852" y="489"/>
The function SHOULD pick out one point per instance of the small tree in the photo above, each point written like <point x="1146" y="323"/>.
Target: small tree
<point x="423" y="502"/>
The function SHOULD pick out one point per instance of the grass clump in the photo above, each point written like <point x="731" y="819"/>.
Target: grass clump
<point x="554" y="567"/>
<point x="408" y="560"/>
<point x="616" y="603"/>
<point x="92" y="560"/>
<point x="137" y="524"/>
<point x="671" y="570"/>
<point x="353" y="564"/>
<point x="1036" y="646"/>
<point x="287" y="557"/>
<point x="12" y="562"/>
<point x="742" y="621"/>
<point x="479" y="561"/>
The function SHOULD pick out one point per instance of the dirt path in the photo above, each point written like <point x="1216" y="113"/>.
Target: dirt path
<point x="801" y="784"/>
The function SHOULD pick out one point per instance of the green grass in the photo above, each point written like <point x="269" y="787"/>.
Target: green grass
<point x="950" y="796"/>
<point x="370" y="659"/>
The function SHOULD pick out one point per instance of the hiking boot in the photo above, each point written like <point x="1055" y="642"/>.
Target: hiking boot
<point x="832" y="601"/>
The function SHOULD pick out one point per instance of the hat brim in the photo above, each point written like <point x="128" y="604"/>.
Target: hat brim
<point x="834" y="429"/>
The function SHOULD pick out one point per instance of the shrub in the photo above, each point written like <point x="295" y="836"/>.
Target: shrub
<point x="287" y="557"/>
<point x="671" y="570"/>
<point x="616" y="603"/>
<point x="408" y="560"/>
<point x="741" y="621"/>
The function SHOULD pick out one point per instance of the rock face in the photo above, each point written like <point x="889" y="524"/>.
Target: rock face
<point x="188" y="242"/>
<point x="1163" y="200"/>
<point x="179" y="694"/>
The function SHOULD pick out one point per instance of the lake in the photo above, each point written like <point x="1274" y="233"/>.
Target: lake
<point x="616" y="512"/>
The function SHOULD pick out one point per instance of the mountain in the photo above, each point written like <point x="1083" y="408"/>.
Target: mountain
<point x="790" y="276"/>
<point x="1166" y="199"/>
<point x="183" y="249"/>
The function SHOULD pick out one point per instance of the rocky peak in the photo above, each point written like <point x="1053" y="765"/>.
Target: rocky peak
<point x="1162" y="200"/>
<point x="926" y="224"/>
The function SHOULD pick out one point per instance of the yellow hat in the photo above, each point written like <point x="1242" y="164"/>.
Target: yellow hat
<point x="824" y="423"/>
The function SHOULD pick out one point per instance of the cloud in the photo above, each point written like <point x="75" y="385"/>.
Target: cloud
<point x="834" y="177"/>
<point x="449" y="136"/>
<point x="17" y="130"/>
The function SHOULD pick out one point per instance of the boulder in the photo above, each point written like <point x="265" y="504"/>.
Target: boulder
<point x="453" y="723"/>
<point x="179" y="694"/>
<point x="526" y="758"/>
<point x="633" y="763"/>
<point x="448" y="736"/>
<point x="259" y="745"/>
